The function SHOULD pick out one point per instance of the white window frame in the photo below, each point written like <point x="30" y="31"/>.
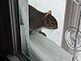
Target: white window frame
<point x="15" y="27"/>
<point x="71" y="20"/>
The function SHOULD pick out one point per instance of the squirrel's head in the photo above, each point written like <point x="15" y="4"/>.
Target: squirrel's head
<point x="50" y="21"/>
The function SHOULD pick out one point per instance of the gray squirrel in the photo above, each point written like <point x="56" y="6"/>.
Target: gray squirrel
<point x="38" y="19"/>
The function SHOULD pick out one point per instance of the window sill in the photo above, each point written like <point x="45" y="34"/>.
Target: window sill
<point x="43" y="49"/>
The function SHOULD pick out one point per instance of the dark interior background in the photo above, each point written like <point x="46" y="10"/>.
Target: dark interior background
<point x="5" y="29"/>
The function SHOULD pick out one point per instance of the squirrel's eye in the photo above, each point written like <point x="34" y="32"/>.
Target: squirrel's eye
<point x="52" y="23"/>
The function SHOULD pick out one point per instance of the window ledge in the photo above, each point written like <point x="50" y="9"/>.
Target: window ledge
<point x="43" y="49"/>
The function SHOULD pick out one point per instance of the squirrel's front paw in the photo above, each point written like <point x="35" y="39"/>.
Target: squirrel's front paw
<point x="42" y="33"/>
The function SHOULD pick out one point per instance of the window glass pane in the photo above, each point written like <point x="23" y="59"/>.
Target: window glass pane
<point x="57" y="11"/>
<point x="46" y="18"/>
<point x="41" y="27"/>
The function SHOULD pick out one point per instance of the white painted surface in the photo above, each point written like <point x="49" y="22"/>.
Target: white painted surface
<point x="25" y="27"/>
<point x="58" y="11"/>
<point x="42" y="49"/>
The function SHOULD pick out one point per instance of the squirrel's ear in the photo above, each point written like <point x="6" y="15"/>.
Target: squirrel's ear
<point x="49" y="12"/>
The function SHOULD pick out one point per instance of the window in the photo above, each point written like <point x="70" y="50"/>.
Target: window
<point x="41" y="48"/>
<point x="36" y="46"/>
<point x="20" y="49"/>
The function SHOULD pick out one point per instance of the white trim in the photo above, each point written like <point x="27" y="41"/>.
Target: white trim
<point x="23" y="6"/>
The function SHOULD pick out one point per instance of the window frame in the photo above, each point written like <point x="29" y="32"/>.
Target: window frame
<point x="15" y="27"/>
<point x="71" y="20"/>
